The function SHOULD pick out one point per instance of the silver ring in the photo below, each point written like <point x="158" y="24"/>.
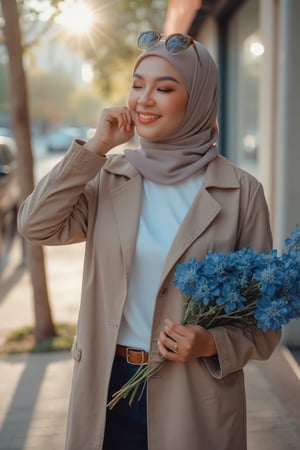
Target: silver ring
<point x="175" y="348"/>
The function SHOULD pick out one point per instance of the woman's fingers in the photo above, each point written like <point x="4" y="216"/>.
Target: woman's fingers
<point x="185" y="342"/>
<point x="166" y="352"/>
<point x="125" y="121"/>
<point x="120" y="117"/>
<point x="169" y="343"/>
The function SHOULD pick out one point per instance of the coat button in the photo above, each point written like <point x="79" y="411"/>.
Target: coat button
<point x="164" y="292"/>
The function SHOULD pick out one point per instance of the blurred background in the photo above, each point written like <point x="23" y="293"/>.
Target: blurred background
<point x="61" y="62"/>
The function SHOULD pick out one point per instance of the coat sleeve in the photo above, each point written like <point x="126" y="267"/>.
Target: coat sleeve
<point x="254" y="227"/>
<point x="236" y="346"/>
<point x="56" y="211"/>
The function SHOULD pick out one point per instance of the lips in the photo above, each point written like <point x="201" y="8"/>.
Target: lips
<point x="147" y="118"/>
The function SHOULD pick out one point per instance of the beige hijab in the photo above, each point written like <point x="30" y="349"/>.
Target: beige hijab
<point x="194" y="144"/>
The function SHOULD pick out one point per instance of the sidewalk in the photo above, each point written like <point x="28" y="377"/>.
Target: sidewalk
<point x="34" y="389"/>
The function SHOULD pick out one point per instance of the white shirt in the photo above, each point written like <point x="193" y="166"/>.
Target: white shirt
<point x="163" y="210"/>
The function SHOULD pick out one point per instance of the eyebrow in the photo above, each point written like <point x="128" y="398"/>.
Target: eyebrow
<point x="164" y="78"/>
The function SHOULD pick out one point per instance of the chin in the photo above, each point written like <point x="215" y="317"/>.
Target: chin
<point x="150" y="136"/>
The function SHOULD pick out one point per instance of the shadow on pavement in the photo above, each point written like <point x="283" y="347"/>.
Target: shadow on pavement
<point x="11" y="281"/>
<point x="35" y="392"/>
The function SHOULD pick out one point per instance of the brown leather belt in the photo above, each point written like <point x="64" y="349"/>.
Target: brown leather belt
<point x="132" y="355"/>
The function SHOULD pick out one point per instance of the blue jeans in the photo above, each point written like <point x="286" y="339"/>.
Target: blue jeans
<point x="126" y="427"/>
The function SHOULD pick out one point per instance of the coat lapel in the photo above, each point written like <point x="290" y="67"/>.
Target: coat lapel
<point x="205" y="208"/>
<point x="201" y="214"/>
<point x="126" y="199"/>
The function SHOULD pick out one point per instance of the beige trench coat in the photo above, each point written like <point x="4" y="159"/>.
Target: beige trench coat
<point x="199" y="405"/>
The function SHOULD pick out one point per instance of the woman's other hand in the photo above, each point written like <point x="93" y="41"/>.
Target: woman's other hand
<point x="183" y="343"/>
<point x="115" y="127"/>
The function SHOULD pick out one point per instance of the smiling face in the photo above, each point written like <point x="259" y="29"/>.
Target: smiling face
<point x="157" y="99"/>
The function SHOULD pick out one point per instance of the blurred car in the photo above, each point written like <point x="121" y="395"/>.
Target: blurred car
<point x="9" y="194"/>
<point x="60" y="140"/>
<point x="4" y="131"/>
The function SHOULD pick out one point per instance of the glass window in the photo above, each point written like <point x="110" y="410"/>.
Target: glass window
<point x="245" y="52"/>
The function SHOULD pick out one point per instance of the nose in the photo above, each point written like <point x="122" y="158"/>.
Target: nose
<point x="146" y="98"/>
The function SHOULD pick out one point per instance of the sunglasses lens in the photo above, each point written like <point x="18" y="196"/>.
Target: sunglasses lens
<point x="147" y="40"/>
<point x="176" y="43"/>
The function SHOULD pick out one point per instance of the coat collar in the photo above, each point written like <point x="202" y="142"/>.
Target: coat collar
<point x="220" y="173"/>
<point x="119" y="165"/>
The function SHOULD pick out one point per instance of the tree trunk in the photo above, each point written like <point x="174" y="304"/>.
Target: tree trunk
<point x="44" y="327"/>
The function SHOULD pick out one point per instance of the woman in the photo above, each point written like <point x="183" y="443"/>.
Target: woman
<point x="141" y="214"/>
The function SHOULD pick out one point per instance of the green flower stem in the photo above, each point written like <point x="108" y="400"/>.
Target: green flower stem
<point x="132" y="386"/>
<point x="236" y="315"/>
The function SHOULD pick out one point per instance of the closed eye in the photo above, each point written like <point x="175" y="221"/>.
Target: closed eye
<point x="166" y="90"/>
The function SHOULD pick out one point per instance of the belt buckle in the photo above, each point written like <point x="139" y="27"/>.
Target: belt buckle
<point x="128" y="349"/>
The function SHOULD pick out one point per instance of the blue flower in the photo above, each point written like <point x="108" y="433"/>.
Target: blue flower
<point x="231" y="298"/>
<point x="243" y="263"/>
<point x="214" y="264"/>
<point x="269" y="277"/>
<point x="293" y="241"/>
<point x="205" y="291"/>
<point x="271" y="314"/>
<point x="186" y="276"/>
<point x="256" y="289"/>
<point x="294" y="308"/>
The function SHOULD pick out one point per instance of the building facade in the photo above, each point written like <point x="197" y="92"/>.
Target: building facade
<point x="256" y="46"/>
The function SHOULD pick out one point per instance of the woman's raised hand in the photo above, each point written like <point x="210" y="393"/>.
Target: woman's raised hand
<point x="115" y="127"/>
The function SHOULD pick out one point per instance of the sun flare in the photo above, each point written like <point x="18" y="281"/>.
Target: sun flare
<point x="75" y="17"/>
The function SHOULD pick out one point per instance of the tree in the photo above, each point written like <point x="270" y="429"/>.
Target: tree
<point x="3" y="88"/>
<point x="44" y="327"/>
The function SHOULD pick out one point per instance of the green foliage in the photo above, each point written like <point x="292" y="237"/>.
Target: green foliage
<point x="49" y="96"/>
<point x="22" y="340"/>
<point x="54" y="99"/>
<point x="86" y="106"/>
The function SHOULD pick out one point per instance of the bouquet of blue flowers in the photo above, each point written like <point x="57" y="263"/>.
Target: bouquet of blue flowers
<point x="242" y="288"/>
